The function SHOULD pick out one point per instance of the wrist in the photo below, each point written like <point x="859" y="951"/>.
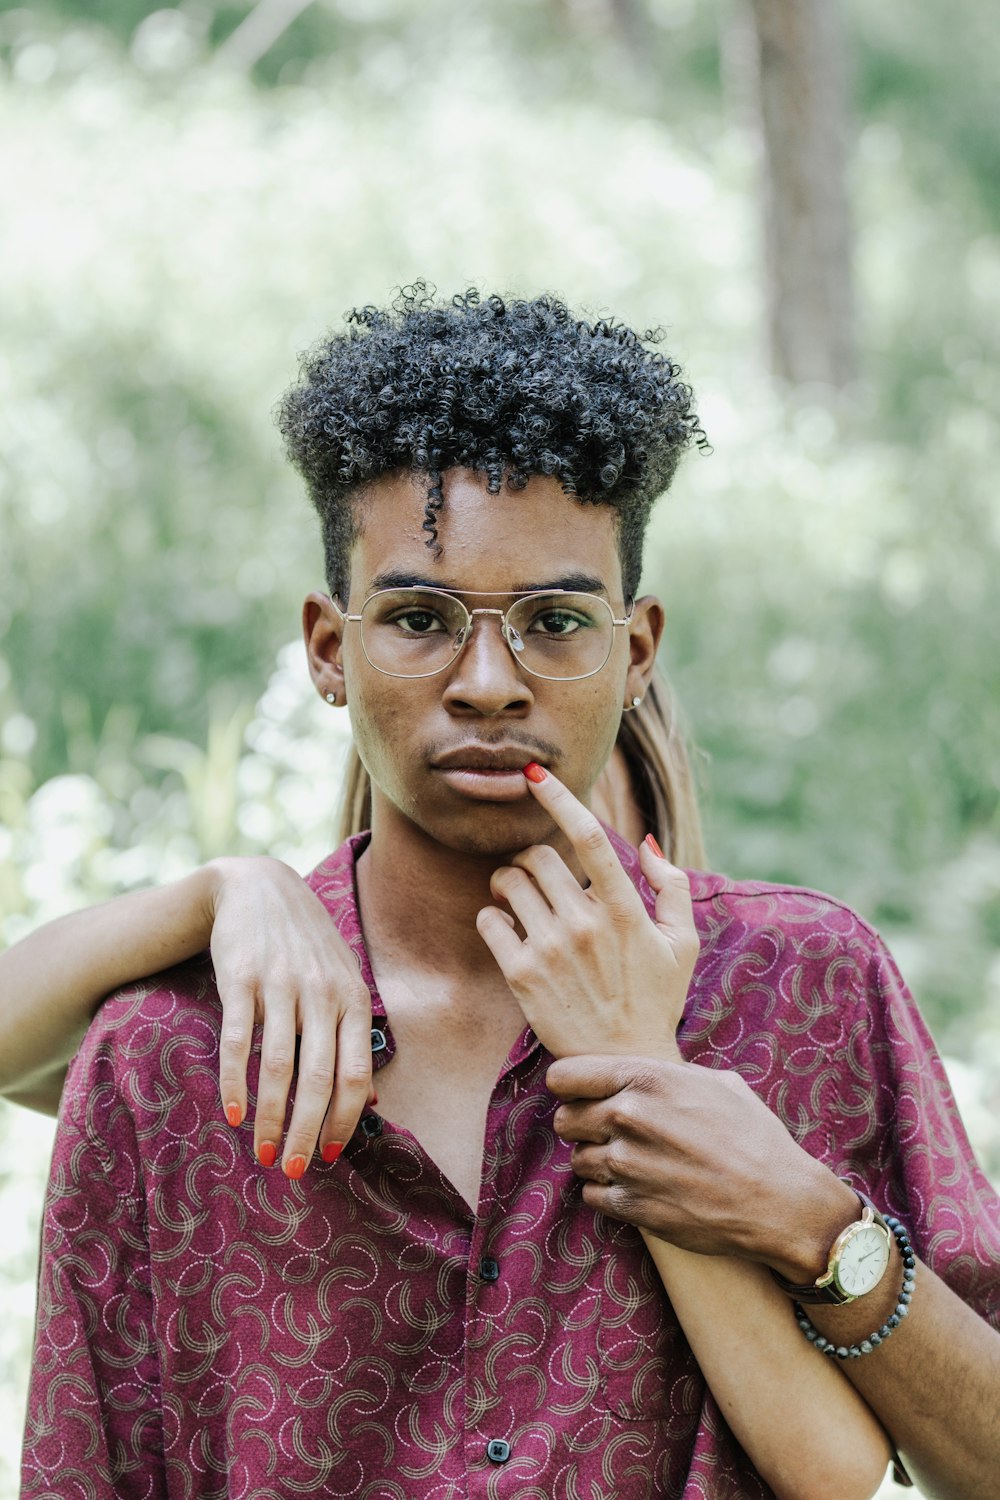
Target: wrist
<point x="813" y="1222"/>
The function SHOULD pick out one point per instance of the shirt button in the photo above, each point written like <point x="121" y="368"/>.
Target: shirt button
<point x="379" y="1042"/>
<point x="497" y="1451"/>
<point x="489" y="1269"/>
<point x="371" y="1126"/>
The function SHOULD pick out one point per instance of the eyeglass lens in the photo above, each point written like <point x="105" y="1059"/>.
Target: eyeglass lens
<point x="415" y="632"/>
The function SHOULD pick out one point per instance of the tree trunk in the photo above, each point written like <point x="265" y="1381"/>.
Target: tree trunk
<point x="802" y="94"/>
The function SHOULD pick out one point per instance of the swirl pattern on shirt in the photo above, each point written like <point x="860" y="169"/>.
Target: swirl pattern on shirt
<point x="207" y="1329"/>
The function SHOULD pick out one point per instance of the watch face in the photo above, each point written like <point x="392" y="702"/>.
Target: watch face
<point x="863" y="1261"/>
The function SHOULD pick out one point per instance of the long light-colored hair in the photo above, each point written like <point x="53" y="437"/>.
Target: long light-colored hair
<point x="655" y="750"/>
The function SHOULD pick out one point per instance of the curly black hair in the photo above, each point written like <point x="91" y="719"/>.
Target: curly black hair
<point x="509" y="388"/>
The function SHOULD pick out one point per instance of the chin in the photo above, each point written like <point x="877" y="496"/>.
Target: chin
<point x="484" y="829"/>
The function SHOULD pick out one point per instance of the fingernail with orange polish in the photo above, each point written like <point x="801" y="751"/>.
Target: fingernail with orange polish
<point x="534" y="772"/>
<point x="267" y="1153"/>
<point x="649" y="839"/>
<point x="234" y="1115"/>
<point x="331" y="1151"/>
<point x="295" y="1167"/>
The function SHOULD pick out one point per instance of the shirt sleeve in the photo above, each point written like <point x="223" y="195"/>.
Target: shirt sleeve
<point x="94" y="1419"/>
<point x="907" y="1144"/>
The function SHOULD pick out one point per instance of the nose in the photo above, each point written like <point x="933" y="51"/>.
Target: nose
<point x="485" y="678"/>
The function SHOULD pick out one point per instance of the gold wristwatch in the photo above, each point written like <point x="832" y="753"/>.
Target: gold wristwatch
<point x="859" y="1258"/>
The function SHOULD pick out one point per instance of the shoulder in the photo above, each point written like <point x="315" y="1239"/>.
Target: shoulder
<point x="797" y="959"/>
<point x="155" y="1038"/>
<point x="802" y="922"/>
<point x="790" y="923"/>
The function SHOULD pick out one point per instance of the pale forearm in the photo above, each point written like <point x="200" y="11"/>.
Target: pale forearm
<point x="53" y="980"/>
<point x="935" y="1383"/>
<point x="808" y="1432"/>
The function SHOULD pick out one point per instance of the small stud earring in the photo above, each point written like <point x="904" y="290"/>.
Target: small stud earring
<point x="331" y="697"/>
<point x="634" y="704"/>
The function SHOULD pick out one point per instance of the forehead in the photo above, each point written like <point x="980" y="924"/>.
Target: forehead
<point x="530" y="538"/>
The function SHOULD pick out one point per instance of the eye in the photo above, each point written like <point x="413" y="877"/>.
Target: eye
<point x="557" y="622"/>
<point x="418" y="621"/>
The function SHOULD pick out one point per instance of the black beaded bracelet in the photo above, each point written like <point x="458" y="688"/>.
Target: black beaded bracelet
<point x="892" y="1322"/>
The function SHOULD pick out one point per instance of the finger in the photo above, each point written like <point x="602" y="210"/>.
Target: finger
<point x="590" y="1163"/>
<point x="277" y="1058"/>
<point x="352" y="1091"/>
<point x="617" y="1201"/>
<point x="551" y="875"/>
<point x="313" y="1086"/>
<point x="672" y="888"/>
<point x="593" y="1077"/>
<point x="496" y="929"/>
<point x="581" y="1121"/>
<point x="522" y="895"/>
<point x="235" y="1039"/>
<point x="590" y="843"/>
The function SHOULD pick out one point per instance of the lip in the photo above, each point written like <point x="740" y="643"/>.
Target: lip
<point x="486" y="758"/>
<point x="485" y="784"/>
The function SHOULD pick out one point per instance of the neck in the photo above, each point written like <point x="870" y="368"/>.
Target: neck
<point x="419" y="898"/>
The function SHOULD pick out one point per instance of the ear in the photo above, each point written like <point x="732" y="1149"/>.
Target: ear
<point x="323" y="627"/>
<point x="644" y="635"/>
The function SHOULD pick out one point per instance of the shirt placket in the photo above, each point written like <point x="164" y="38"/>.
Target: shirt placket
<point x="491" y="1339"/>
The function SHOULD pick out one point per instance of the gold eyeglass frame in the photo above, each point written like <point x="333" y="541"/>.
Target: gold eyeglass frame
<point x="467" y="628"/>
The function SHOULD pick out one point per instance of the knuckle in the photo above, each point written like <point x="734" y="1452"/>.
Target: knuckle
<point x="592" y="837"/>
<point x="621" y="917"/>
<point x="355" y="1073"/>
<point x="536" y="857"/>
<point x="277" y="1062"/>
<point x="580" y="928"/>
<point x="616" y="1157"/>
<point x="619" y="1114"/>
<point x="240" y="980"/>
<point x="318" y="1077"/>
<point x="357" y="996"/>
<point x="233" y="1040"/>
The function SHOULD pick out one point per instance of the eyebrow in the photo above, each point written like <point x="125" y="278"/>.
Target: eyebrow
<point x="575" y="583"/>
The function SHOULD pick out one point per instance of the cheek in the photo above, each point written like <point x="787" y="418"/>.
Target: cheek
<point x="384" y="724"/>
<point x="593" y="721"/>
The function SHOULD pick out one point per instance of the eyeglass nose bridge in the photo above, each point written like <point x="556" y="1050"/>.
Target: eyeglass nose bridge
<point x="510" y="635"/>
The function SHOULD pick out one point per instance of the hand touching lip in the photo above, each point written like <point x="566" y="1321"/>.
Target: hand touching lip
<point x="593" y="972"/>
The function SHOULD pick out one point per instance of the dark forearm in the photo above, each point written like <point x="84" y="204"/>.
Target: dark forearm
<point x="934" y="1385"/>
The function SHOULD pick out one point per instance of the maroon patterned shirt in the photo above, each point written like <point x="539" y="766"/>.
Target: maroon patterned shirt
<point x="210" y="1329"/>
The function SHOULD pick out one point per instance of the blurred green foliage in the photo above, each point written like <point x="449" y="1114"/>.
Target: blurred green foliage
<point x="174" y="229"/>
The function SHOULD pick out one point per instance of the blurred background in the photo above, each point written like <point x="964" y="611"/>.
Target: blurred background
<point x="804" y="193"/>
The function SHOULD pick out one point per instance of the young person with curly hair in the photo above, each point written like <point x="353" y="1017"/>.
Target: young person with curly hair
<point x="643" y="1146"/>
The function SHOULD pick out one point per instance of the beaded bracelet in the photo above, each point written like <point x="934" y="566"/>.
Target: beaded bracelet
<point x="892" y="1322"/>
